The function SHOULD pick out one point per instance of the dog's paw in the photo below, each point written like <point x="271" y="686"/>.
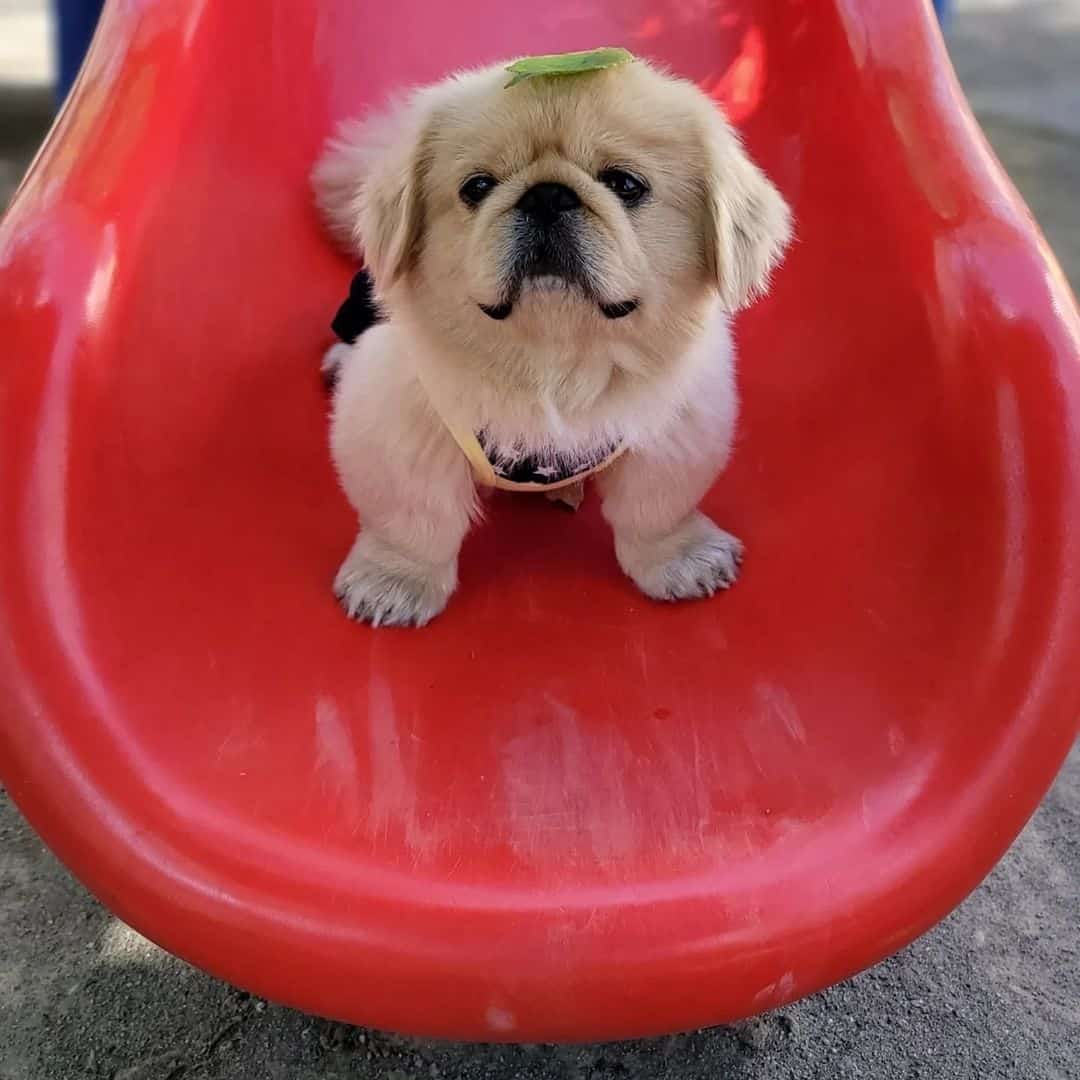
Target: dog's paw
<point x="391" y="592"/>
<point x="695" y="561"/>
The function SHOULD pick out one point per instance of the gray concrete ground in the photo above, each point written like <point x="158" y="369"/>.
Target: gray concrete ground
<point x="994" y="992"/>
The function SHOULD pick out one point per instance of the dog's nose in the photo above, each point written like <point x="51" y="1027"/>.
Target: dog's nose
<point x="543" y="203"/>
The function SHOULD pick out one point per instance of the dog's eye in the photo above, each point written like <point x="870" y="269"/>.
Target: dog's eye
<point x="630" y="188"/>
<point x="477" y="188"/>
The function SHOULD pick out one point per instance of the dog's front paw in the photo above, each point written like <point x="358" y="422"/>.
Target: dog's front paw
<point x="382" y="589"/>
<point x="694" y="561"/>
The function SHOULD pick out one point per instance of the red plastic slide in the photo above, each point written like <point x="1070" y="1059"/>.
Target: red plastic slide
<point x="561" y="811"/>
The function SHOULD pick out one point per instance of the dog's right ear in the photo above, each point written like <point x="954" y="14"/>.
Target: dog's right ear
<point x="748" y="222"/>
<point x="369" y="186"/>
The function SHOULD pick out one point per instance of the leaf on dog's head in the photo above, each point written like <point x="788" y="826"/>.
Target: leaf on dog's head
<point x="572" y="63"/>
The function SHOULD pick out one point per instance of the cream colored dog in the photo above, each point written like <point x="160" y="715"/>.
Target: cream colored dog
<point x="557" y="263"/>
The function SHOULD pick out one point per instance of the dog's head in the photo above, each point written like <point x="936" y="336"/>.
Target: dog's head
<point x="610" y="202"/>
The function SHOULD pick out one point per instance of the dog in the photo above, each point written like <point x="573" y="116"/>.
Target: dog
<point x="555" y="264"/>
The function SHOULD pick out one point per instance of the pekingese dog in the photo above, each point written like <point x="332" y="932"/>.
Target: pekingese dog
<point x="556" y="264"/>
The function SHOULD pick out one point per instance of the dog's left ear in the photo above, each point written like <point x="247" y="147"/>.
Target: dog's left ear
<point x="748" y="223"/>
<point x="369" y="186"/>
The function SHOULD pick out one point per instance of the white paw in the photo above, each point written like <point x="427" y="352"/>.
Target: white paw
<point x="695" y="561"/>
<point x="377" y="587"/>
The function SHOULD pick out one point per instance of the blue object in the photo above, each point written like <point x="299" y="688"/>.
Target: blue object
<point x="75" y="23"/>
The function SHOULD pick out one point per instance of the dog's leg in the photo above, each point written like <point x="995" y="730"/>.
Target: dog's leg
<point x="402" y="569"/>
<point x="668" y="547"/>
<point x="412" y="489"/>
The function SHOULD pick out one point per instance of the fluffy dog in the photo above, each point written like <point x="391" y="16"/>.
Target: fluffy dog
<point x="557" y="263"/>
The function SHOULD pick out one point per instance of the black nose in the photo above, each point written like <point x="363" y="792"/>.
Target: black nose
<point x="543" y="203"/>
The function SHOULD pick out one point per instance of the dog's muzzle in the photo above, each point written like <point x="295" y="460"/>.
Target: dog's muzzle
<point x="546" y="245"/>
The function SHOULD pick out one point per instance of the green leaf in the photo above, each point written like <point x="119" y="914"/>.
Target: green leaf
<point x="573" y="63"/>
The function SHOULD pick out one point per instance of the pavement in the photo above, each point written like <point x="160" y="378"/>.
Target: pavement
<point x="993" y="992"/>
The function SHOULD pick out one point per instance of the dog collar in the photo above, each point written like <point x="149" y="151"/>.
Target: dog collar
<point x="528" y="472"/>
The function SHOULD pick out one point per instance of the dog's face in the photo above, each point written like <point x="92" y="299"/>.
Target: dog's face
<point x="617" y="203"/>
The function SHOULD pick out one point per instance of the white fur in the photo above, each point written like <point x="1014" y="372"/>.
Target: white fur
<point x="405" y="474"/>
<point x="411" y="483"/>
<point x="556" y="373"/>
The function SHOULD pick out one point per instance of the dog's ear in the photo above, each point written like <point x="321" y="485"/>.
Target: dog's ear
<point x="748" y="223"/>
<point x="369" y="186"/>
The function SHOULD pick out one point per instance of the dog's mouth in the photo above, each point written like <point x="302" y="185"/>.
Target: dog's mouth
<point x="498" y="312"/>
<point x="547" y="280"/>
<point x="618" y="310"/>
<point x="547" y="265"/>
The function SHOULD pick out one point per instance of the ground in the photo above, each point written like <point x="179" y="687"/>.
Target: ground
<point x="993" y="992"/>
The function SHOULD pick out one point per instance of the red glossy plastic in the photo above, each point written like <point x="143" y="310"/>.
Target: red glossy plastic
<point x="560" y="811"/>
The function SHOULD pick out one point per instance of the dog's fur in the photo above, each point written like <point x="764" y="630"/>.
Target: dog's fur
<point x="555" y="371"/>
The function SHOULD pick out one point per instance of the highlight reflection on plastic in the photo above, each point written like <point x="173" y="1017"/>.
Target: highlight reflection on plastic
<point x="560" y="811"/>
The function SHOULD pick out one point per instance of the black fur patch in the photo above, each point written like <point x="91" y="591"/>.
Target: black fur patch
<point x="520" y="467"/>
<point x="359" y="312"/>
